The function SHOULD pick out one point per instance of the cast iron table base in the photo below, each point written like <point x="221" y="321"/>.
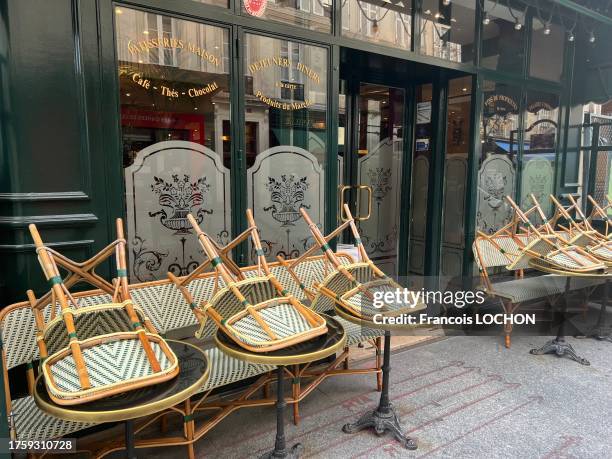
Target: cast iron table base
<point x="383" y="419"/>
<point x="558" y="345"/>
<point x="280" y="446"/>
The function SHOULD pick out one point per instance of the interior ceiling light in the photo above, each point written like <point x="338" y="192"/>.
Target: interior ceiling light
<point x="446" y="2"/>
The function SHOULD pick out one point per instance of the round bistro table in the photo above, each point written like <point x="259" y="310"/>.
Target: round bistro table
<point x="558" y="345"/>
<point x="194" y="369"/>
<point x="383" y="418"/>
<point x="305" y="352"/>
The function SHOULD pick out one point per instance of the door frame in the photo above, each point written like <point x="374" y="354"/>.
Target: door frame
<point x="351" y="141"/>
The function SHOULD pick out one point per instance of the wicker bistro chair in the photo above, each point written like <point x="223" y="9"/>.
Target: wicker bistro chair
<point x="501" y="251"/>
<point x="257" y="313"/>
<point x="96" y="351"/>
<point x="353" y="287"/>
<point x="583" y="234"/>
<point x="548" y="248"/>
<point x="600" y="212"/>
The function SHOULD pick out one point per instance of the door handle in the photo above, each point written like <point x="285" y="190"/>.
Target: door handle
<point x="341" y="192"/>
<point x="369" y="190"/>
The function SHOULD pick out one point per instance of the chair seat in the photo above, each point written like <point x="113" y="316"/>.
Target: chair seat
<point x="356" y="334"/>
<point x="108" y="364"/>
<point x="603" y="252"/>
<point x="31" y="423"/>
<point x="283" y="319"/>
<point x="227" y="370"/>
<point x="365" y="306"/>
<point x="532" y="288"/>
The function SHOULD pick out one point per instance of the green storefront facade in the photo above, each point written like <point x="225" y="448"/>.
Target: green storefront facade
<point x="420" y="114"/>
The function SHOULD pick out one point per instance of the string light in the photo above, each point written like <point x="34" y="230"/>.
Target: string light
<point x="591" y="37"/>
<point x="486" y="19"/>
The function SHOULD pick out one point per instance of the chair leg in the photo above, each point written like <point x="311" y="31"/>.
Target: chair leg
<point x="266" y="389"/>
<point x="379" y="364"/>
<point x="189" y="430"/>
<point x="296" y="390"/>
<point x="163" y="425"/>
<point x="345" y="364"/>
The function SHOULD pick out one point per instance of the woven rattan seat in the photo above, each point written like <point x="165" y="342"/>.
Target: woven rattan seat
<point x="527" y="289"/>
<point x="226" y="370"/>
<point x="108" y="364"/>
<point x="91" y="321"/>
<point x="31" y="423"/>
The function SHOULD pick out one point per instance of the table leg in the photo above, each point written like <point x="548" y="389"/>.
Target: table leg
<point x="130" y="450"/>
<point x="601" y="331"/>
<point x="280" y="447"/>
<point x="384" y="418"/>
<point x="558" y="345"/>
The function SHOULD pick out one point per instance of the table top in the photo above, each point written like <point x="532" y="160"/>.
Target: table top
<point x="547" y="268"/>
<point x="307" y="351"/>
<point x="194" y="369"/>
<point x="370" y="324"/>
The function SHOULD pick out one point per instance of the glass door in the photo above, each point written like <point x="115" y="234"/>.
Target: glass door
<point x="372" y="165"/>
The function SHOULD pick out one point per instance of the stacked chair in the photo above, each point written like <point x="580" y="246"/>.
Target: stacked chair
<point x="582" y="233"/>
<point x="255" y="312"/>
<point x="514" y="248"/>
<point x="547" y="248"/>
<point x="96" y="351"/>
<point x="599" y="212"/>
<point x="351" y="286"/>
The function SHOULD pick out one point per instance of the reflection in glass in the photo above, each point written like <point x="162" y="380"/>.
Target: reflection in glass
<point x="286" y="139"/>
<point x="546" y="59"/>
<point x="455" y="175"/>
<point x="383" y="22"/>
<point x="447" y="31"/>
<point x="502" y="42"/>
<point x="174" y="93"/>
<point x="498" y="155"/>
<point x="539" y="150"/>
<point x="310" y="14"/>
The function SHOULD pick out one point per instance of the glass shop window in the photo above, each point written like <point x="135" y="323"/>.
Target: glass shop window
<point x="498" y="157"/>
<point x="540" y="133"/>
<point x="175" y="128"/>
<point x="503" y="37"/>
<point x="310" y="14"/>
<point x="547" y="43"/>
<point x="458" y="128"/>
<point x="286" y="140"/>
<point x="385" y="23"/>
<point x="447" y="31"/>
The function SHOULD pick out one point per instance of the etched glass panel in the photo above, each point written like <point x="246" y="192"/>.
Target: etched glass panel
<point x="174" y="93"/>
<point x="539" y="149"/>
<point x="287" y="143"/>
<point x="498" y="155"/>
<point x="167" y="181"/>
<point x="381" y="142"/>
